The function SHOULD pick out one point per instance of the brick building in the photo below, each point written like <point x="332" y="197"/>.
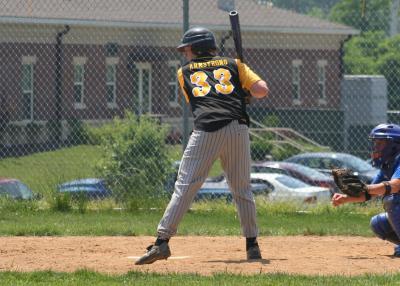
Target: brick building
<point x="68" y="60"/>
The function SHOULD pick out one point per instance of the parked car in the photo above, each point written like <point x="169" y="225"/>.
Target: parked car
<point x="325" y="161"/>
<point x="268" y="167"/>
<point x="15" y="189"/>
<point x="214" y="189"/>
<point x="288" y="188"/>
<point x="91" y="188"/>
<point x="306" y="174"/>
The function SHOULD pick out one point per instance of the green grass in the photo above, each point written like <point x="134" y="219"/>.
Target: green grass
<point x="49" y="168"/>
<point x="84" y="277"/>
<point x="212" y="218"/>
<point x="43" y="171"/>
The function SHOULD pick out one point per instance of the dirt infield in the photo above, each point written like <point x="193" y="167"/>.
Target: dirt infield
<point x="310" y="255"/>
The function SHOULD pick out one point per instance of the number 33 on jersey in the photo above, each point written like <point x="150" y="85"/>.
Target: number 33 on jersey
<point x="216" y="79"/>
<point x="202" y="87"/>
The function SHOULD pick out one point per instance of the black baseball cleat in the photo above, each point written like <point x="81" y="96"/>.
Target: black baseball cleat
<point x="154" y="253"/>
<point x="253" y="252"/>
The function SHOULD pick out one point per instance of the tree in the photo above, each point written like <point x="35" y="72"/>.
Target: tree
<point x="388" y="64"/>
<point x="306" y="6"/>
<point x="373" y="53"/>
<point x="373" y="17"/>
<point x="362" y="53"/>
<point x="316" y="13"/>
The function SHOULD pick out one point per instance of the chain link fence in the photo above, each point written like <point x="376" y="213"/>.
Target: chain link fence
<point x="69" y="68"/>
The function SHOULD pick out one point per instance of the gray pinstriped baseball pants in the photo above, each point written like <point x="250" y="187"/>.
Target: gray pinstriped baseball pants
<point x="231" y="144"/>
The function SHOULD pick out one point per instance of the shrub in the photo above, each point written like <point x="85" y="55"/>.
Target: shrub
<point x="271" y="121"/>
<point x="8" y="205"/>
<point x="60" y="202"/>
<point x="81" y="202"/>
<point x="283" y="153"/>
<point x="78" y="132"/>
<point x="135" y="162"/>
<point x="260" y="149"/>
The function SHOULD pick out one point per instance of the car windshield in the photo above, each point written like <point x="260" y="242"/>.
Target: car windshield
<point x="15" y="190"/>
<point x="266" y="169"/>
<point x="291" y="182"/>
<point x="10" y="189"/>
<point x="309" y="172"/>
<point x="358" y="164"/>
<point x="26" y="193"/>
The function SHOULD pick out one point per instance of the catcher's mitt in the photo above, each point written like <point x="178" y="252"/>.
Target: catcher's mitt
<point x="348" y="183"/>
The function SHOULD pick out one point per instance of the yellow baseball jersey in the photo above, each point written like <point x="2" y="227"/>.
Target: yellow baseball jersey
<point x="214" y="87"/>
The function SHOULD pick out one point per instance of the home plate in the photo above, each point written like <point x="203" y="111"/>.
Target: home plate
<point x="172" y="257"/>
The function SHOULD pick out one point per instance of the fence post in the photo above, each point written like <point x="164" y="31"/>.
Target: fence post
<point x="58" y="86"/>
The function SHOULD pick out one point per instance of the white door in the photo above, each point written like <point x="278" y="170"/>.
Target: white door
<point x="142" y="88"/>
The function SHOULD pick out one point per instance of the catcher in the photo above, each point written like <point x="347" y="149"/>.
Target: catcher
<point x="386" y="156"/>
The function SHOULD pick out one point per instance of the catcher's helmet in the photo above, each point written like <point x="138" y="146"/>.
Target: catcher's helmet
<point x="201" y="39"/>
<point x="386" y="139"/>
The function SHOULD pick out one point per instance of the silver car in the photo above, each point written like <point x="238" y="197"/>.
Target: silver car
<point x="217" y="187"/>
<point x="291" y="189"/>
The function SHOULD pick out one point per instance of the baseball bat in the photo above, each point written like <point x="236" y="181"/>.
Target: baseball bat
<point x="237" y="38"/>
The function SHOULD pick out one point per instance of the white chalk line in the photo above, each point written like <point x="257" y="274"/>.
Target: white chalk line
<point x="172" y="257"/>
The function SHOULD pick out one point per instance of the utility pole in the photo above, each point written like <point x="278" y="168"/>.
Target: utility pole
<point x="58" y="85"/>
<point x="394" y="12"/>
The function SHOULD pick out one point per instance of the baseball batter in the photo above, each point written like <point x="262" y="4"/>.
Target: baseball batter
<point x="386" y="156"/>
<point x="214" y="88"/>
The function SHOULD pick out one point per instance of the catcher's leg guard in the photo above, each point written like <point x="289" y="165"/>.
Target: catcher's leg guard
<point x="392" y="207"/>
<point x="396" y="251"/>
<point x="381" y="226"/>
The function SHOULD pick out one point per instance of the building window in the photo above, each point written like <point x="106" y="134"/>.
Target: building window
<point x="27" y="87"/>
<point x="79" y="79"/>
<point x="296" y="80"/>
<point x="111" y="82"/>
<point x="142" y="88"/>
<point x="321" y="70"/>
<point x="173" y="86"/>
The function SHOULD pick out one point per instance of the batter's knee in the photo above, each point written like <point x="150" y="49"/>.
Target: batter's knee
<point x="187" y="189"/>
<point x="381" y="227"/>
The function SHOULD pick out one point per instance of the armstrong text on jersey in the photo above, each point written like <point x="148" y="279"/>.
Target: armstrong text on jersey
<point x="213" y="63"/>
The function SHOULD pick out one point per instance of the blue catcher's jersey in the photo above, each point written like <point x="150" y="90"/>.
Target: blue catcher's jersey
<point x="387" y="225"/>
<point x="387" y="174"/>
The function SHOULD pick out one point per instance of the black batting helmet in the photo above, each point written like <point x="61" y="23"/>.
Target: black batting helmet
<point x="201" y="40"/>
